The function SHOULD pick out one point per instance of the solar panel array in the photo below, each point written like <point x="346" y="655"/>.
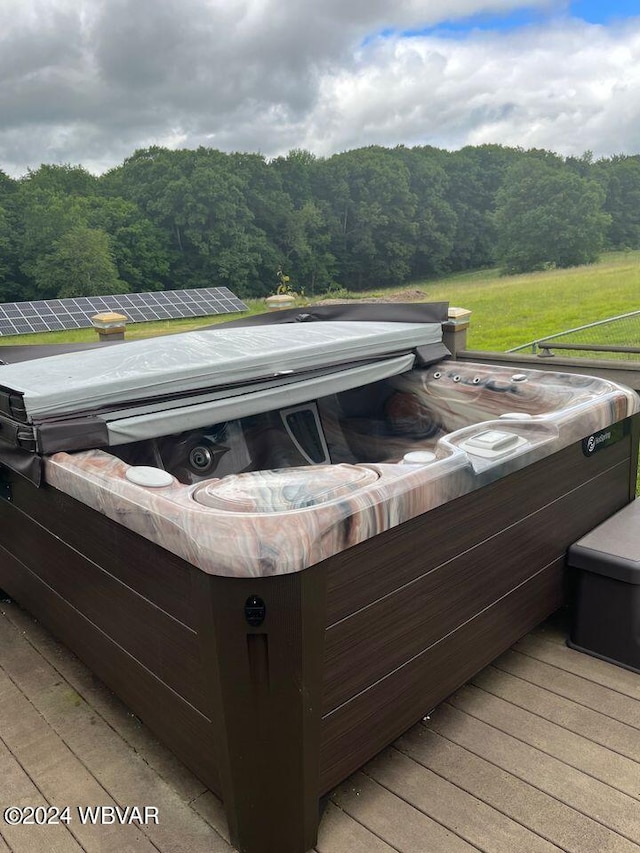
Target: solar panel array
<point x="50" y="315"/>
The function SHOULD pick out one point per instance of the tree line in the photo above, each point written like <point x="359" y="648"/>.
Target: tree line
<point x="360" y="219"/>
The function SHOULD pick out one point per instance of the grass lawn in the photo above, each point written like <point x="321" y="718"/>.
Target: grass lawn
<point x="513" y="310"/>
<point x="507" y="310"/>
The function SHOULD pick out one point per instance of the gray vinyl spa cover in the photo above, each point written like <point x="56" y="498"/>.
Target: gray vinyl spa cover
<point x="166" y="372"/>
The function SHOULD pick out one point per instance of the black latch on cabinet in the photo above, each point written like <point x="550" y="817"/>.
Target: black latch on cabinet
<point x="254" y="611"/>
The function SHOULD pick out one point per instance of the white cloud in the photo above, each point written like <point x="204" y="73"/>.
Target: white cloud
<point x="91" y="80"/>
<point x="567" y="87"/>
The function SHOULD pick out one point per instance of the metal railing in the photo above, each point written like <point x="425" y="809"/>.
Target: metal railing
<point x="619" y="337"/>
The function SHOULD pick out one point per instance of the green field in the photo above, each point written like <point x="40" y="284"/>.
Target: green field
<point x="507" y="310"/>
<point x="513" y="310"/>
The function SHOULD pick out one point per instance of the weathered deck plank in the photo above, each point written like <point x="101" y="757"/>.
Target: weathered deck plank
<point x="53" y="838"/>
<point x="538" y="811"/>
<point x="60" y="776"/>
<point x="614" y="810"/>
<point x="108" y="771"/>
<point x="106" y="704"/>
<point x="548" y="646"/>
<point x="555" y="742"/>
<point x="340" y="833"/>
<point x="541" y="752"/>
<point x="618" y="737"/>
<point x="577" y="688"/>
<point x="393" y="818"/>
<point x="478" y="825"/>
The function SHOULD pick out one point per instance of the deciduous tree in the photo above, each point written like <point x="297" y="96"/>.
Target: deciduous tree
<point x="548" y="215"/>
<point x="80" y="264"/>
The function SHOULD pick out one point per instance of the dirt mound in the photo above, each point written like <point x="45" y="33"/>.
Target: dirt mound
<point x="401" y="296"/>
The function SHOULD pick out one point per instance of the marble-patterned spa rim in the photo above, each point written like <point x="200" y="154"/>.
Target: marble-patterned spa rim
<point x="230" y="534"/>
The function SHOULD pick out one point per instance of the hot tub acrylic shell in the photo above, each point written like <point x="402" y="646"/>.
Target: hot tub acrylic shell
<point x="480" y="423"/>
<point x="279" y="655"/>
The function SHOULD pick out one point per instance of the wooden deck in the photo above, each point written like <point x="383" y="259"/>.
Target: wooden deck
<point x="539" y="753"/>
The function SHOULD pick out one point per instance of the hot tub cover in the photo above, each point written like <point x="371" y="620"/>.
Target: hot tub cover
<point x="144" y="389"/>
<point x="176" y="365"/>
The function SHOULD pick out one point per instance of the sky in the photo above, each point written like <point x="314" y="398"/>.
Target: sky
<point x="90" y="81"/>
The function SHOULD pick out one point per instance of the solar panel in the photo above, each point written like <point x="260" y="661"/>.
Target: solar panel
<point x="19" y="318"/>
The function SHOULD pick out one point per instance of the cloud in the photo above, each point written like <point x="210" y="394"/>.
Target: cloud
<point x="566" y="87"/>
<point x="91" y="80"/>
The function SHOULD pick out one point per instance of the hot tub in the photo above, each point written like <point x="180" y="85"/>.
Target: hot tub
<point x="282" y="561"/>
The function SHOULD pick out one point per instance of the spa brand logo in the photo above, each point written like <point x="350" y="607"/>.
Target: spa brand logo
<point x="601" y="439"/>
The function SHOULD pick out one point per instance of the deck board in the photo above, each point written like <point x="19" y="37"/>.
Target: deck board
<point x="56" y="839"/>
<point x="77" y="758"/>
<point x="59" y="776"/>
<point x="103" y="753"/>
<point x="540" y="752"/>
<point x="479" y="826"/>
<point x="106" y="704"/>
<point x="553" y="741"/>
<point x="536" y="810"/>
<point x="578" y="688"/>
<point x="549" y="648"/>
<point x="393" y="818"/>
<point x="618" y="737"/>
<point x="609" y="807"/>
<point x="340" y="833"/>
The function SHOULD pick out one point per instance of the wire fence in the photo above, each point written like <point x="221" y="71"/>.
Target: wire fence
<point x="613" y="338"/>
